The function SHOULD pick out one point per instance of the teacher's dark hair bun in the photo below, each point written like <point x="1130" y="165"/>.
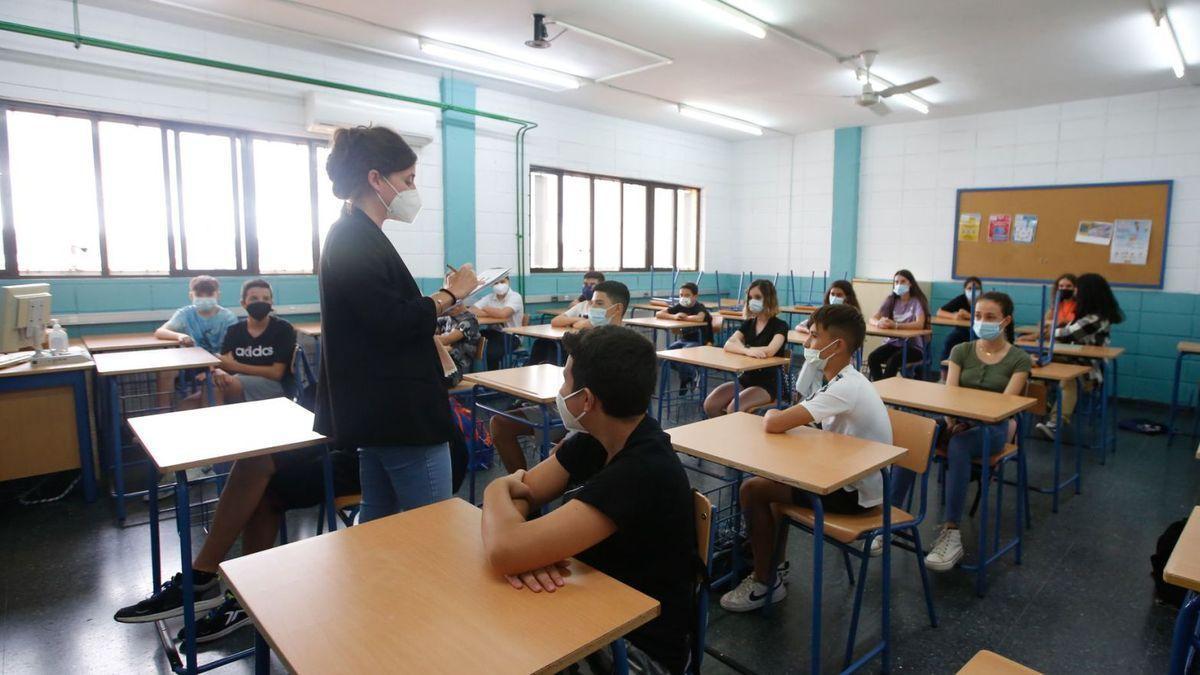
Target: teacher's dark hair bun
<point x="357" y="150"/>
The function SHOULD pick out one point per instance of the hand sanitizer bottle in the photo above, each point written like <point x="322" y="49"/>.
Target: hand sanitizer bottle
<point x="58" y="339"/>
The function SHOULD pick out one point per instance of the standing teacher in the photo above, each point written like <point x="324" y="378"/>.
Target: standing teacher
<point x="380" y="386"/>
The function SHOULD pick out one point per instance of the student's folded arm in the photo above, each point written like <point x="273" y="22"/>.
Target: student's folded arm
<point x="944" y="313"/>
<point x="735" y="343"/>
<point x="779" y="421"/>
<point x="663" y="314"/>
<point x="953" y="372"/>
<point x="164" y="333"/>
<point x="776" y="344"/>
<point x="1016" y="383"/>
<point x="275" y="371"/>
<point x="568" y="530"/>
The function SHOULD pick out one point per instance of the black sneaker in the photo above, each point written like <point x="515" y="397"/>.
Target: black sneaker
<point x="167" y="602"/>
<point x="221" y="621"/>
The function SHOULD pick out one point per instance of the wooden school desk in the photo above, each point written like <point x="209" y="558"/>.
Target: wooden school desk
<point x="490" y="320"/>
<point x="991" y="663"/>
<point x="1106" y="357"/>
<point x="544" y="331"/>
<point x="34" y="412"/>
<point x="651" y="307"/>
<point x="708" y="358"/>
<point x="121" y="342"/>
<point x="1183" y="570"/>
<point x="178" y="441"/>
<point x="655" y="325"/>
<point x="110" y="366"/>
<point x="907" y="335"/>
<point x="806" y="458"/>
<point x="972" y="404"/>
<point x="1059" y="373"/>
<point x="956" y="323"/>
<point x="420" y="597"/>
<point x="1185" y="349"/>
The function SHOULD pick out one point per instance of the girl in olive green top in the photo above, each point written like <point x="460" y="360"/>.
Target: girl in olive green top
<point x="991" y="363"/>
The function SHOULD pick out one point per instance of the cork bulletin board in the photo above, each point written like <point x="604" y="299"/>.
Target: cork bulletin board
<point x="1055" y="246"/>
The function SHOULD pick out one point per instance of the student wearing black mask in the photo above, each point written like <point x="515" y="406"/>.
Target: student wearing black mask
<point x="256" y="355"/>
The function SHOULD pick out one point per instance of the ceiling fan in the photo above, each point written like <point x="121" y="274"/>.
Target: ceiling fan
<point x="872" y="98"/>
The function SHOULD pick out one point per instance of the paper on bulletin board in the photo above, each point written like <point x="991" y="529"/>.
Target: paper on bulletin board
<point x="968" y="227"/>
<point x="1094" y="232"/>
<point x="999" y="227"/>
<point x="1024" y="228"/>
<point x="1130" y="242"/>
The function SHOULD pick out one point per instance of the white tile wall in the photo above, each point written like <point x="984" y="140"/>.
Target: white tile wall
<point x="910" y="172"/>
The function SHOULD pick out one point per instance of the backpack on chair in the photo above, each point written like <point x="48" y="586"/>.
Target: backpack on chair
<point x="1167" y="594"/>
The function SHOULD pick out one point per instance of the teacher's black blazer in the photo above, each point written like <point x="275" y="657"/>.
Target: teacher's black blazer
<point x="380" y="377"/>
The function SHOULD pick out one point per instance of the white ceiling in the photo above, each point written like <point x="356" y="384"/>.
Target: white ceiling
<point x="988" y="54"/>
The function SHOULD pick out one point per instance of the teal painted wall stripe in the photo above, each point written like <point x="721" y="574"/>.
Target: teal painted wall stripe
<point x="458" y="173"/>
<point x="843" y="248"/>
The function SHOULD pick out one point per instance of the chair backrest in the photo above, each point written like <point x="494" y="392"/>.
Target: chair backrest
<point x="704" y="540"/>
<point x="915" y="434"/>
<point x="525" y="319"/>
<point x="1037" y="389"/>
<point x="704" y="517"/>
<point x="481" y="349"/>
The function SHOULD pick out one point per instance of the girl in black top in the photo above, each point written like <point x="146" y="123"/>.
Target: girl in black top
<point x="762" y="335"/>
<point x="961" y="307"/>
<point x="840" y="292"/>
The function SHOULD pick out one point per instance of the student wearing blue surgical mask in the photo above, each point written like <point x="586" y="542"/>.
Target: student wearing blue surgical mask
<point x="960" y="308"/>
<point x="905" y="308"/>
<point x="991" y="363"/>
<point x="201" y="324"/>
<point x="840" y="292"/>
<point x="762" y="335"/>
<point x="607" y="307"/>
<point x="688" y="308"/>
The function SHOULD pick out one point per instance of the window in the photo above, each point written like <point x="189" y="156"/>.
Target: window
<point x="581" y="221"/>
<point x="98" y="194"/>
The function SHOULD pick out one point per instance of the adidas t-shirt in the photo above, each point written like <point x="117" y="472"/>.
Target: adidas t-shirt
<point x="275" y="345"/>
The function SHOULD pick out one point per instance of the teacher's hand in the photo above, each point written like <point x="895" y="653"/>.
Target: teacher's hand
<point x="462" y="282"/>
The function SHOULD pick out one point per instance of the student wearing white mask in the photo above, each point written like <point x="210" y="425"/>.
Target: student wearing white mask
<point x="840" y="292"/>
<point x="906" y="307"/>
<point x="377" y="330"/>
<point x="690" y="309"/>
<point x="762" y="335"/>
<point x="960" y="307"/>
<point x="502" y="303"/>
<point x="991" y="363"/>
<point x="629" y="510"/>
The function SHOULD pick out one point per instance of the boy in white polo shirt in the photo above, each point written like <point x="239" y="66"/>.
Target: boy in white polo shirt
<point x="846" y="404"/>
<point x="501" y="303"/>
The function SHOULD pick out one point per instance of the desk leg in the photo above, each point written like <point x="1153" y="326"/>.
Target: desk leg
<point x="183" y="523"/>
<point x="558" y="348"/>
<point x="904" y="358"/>
<point x="209" y="394"/>
<point x="1115" y="398"/>
<point x="114" y="431"/>
<point x="664" y="378"/>
<point x="1075" y="434"/>
<point x="262" y="655"/>
<point x="327" y="475"/>
<point x="818" y="568"/>
<point x="545" y="431"/>
<point x="1058" y="432"/>
<point x="155" y="553"/>
<point x="83" y="436"/>
<point x="475" y="425"/>
<point x="886" y="614"/>
<point x="737" y="392"/>
<point x="985" y="487"/>
<point x="779" y="388"/>
<point x="1185" y="627"/>
<point x="1174" y="398"/>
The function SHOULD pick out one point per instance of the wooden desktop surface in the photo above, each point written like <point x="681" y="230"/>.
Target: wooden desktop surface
<point x="943" y="321"/>
<point x="1081" y="351"/>
<point x="414" y="593"/>
<point x="975" y="404"/>
<point x="121" y="342"/>
<point x="1189" y="347"/>
<point x="539" y="383"/>
<point x="807" y="458"/>
<point x="28" y="368"/>
<point x="1059" y="372"/>
<point x="181" y="440"/>
<point x="1183" y="567"/>
<point x="490" y="320"/>
<point x="800" y="309"/>
<point x="991" y="663"/>
<point x="901" y="333"/>
<point x="543" y="330"/>
<point x="718" y="359"/>
<point x="649" y="306"/>
<point x="153" y="360"/>
<point x="553" y="311"/>
<point x="662" y="324"/>
<point x="309" y="328"/>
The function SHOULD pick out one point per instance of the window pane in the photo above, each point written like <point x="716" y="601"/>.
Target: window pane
<point x="686" y="222"/>
<point x="135" y="212"/>
<point x="633" y="227"/>
<point x="46" y="155"/>
<point x="282" y="206"/>
<point x="543" y="219"/>
<point x="664" y="230"/>
<point x="206" y="189"/>
<point x="577" y="223"/>
<point x="329" y="208"/>
<point x="608" y="224"/>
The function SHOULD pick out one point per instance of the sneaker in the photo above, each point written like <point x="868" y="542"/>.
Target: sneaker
<point x="750" y="595"/>
<point x="946" y="551"/>
<point x="876" y="546"/>
<point x="684" y="387"/>
<point x="783" y="571"/>
<point x="167" y="601"/>
<point x="1047" y="429"/>
<point x="221" y="621"/>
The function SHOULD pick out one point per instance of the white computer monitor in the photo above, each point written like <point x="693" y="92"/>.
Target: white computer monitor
<point x="24" y="315"/>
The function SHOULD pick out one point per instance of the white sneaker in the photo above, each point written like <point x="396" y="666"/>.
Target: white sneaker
<point x="750" y="595"/>
<point x="1047" y="429"/>
<point x="876" y="546"/>
<point x="946" y="551"/>
<point x="783" y="571"/>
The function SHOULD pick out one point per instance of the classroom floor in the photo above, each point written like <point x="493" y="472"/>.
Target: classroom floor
<point x="1081" y="601"/>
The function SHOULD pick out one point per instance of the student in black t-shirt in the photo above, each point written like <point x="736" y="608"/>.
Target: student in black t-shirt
<point x="762" y="335"/>
<point x="689" y="308"/>
<point x="631" y="515"/>
<point x="960" y="308"/>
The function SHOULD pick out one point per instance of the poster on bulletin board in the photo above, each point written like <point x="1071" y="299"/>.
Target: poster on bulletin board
<point x="1094" y="232"/>
<point x="968" y="227"/>
<point x="999" y="227"/>
<point x="1024" y="228"/>
<point x="1130" y="242"/>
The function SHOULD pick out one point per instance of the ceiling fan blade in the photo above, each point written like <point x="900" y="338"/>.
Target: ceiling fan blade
<point x="880" y="109"/>
<point x="911" y="86"/>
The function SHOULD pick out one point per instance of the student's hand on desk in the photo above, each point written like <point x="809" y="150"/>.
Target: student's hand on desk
<point x="964" y="314"/>
<point x="517" y="489"/>
<point x="548" y="578"/>
<point x="186" y="340"/>
<point x="886" y="323"/>
<point x="757" y="352"/>
<point x="767" y="418"/>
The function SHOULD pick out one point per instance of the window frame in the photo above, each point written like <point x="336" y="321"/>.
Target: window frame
<point x="241" y="168"/>
<point x="650" y="186"/>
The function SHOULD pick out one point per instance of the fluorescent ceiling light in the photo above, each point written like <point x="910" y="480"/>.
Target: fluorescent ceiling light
<point x="492" y="65"/>
<point x="720" y="120"/>
<point x="907" y="100"/>
<point x="730" y="16"/>
<point x="1166" y="34"/>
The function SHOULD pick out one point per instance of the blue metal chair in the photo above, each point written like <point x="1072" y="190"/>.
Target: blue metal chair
<point x="916" y="435"/>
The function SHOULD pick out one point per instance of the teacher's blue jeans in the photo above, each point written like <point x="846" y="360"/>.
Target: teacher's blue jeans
<point x="397" y="478"/>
